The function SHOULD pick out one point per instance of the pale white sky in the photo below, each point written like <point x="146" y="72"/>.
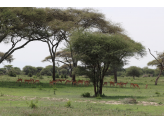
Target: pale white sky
<point x="142" y="24"/>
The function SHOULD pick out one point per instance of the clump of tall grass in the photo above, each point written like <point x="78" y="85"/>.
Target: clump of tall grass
<point x="68" y="104"/>
<point x="86" y="94"/>
<point x="33" y="104"/>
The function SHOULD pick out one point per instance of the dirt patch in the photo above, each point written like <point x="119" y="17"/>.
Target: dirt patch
<point x="17" y="98"/>
<point x="120" y="102"/>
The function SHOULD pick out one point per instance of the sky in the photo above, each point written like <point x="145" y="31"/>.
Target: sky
<point x="143" y="23"/>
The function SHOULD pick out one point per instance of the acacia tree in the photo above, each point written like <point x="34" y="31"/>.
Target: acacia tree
<point x="21" y="24"/>
<point x="74" y="19"/>
<point x="133" y="71"/>
<point x="159" y="62"/>
<point x="97" y="51"/>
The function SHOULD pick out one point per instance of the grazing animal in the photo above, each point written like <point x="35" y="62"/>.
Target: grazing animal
<point x="37" y="81"/>
<point x="26" y="80"/>
<point x="68" y="81"/>
<point x="74" y="83"/>
<point x="105" y="83"/>
<point x="146" y="86"/>
<point x="52" y="82"/>
<point x="112" y="83"/>
<point x="136" y="85"/>
<point x="120" y="84"/>
<point x="80" y="82"/>
<point x="131" y="84"/>
<point x="125" y="83"/>
<point x="86" y="83"/>
<point x="19" y="80"/>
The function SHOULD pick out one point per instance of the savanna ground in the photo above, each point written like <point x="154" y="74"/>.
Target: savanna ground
<point x="17" y="99"/>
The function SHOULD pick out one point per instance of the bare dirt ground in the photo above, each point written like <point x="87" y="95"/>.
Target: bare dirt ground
<point x="13" y="98"/>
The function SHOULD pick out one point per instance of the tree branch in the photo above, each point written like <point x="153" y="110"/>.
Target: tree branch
<point x="154" y="57"/>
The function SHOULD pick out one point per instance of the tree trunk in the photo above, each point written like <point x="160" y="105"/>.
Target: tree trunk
<point x="115" y="76"/>
<point x="73" y="76"/>
<point x="158" y="76"/>
<point x="95" y="89"/>
<point x="70" y="74"/>
<point x="133" y="77"/>
<point x="53" y="71"/>
<point x="101" y="84"/>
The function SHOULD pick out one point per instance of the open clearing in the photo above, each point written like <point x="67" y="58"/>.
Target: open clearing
<point x="16" y="98"/>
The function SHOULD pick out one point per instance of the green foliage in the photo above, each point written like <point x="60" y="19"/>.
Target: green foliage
<point x="99" y="97"/>
<point x="34" y="77"/>
<point x="41" y="77"/>
<point x="112" y="77"/>
<point x="63" y="71"/>
<point x="40" y="87"/>
<point x="65" y="76"/>
<point x="57" y="75"/>
<point x="157" y="93"/>
<point x="62" y="76"/>
<point x="46" y="71"/>
<point x="86" y="94"/>
<point x="2" y="70"/>
<point x="30" y="74"/>
<point x="12" y="74"/>
<point x="29" y="69"/>
<point x="68" y="104"/>
<point x="2" y="94"/>
<point x="17" y="70"/>
<point x="133" y="71"/>
<point x="33" y="104"/>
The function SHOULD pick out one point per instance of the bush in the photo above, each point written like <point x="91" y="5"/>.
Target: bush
<point x="41" y="77"/>
<point x="12" y="74"/>
<point x="32" y="104"/>
<point x="57" y="75"/>
<point x="68" y="104"/>
<point x="86" y="94"/>
<point x="98" y="97"/>
<point x="30" y="75"/>
<point x="34" y="77"/>
<point x="38" y="74"/>
<point x="62" y="76"/>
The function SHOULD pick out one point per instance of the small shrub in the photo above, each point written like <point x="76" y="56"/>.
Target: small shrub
<point x="68" y="104"/>
<point x="41" y="77"/>
<point x="12" y="74"/>
<point x="54" y="89"/>
<point x="32" y="104"/>
<point x="30" y="75"/>
<point x="2" y="94"/>
<point x="38" y="74"/>
<point x="62" y="76"/>
<point x="34" y="77"/>
<point x="40" y="87"/>
<point x="57" y="75"/>
<point x="98" y="97"/>
<point x="65" y="76"/>
<point x="160" y="103"/>
<point x="103" y="95"/>
<point x="112" y="77"/>
<point x="86" y="94"/>
<point x="157" y="93"/>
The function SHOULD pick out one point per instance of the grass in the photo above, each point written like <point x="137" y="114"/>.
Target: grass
<point x="16" y="98"/>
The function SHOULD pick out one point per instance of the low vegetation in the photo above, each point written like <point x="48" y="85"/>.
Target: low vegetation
<point x="23" y="99"/>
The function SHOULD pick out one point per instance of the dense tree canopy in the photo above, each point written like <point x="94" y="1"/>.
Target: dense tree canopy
<point x="97" y="51"/>
<point x="133" y="71"/>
